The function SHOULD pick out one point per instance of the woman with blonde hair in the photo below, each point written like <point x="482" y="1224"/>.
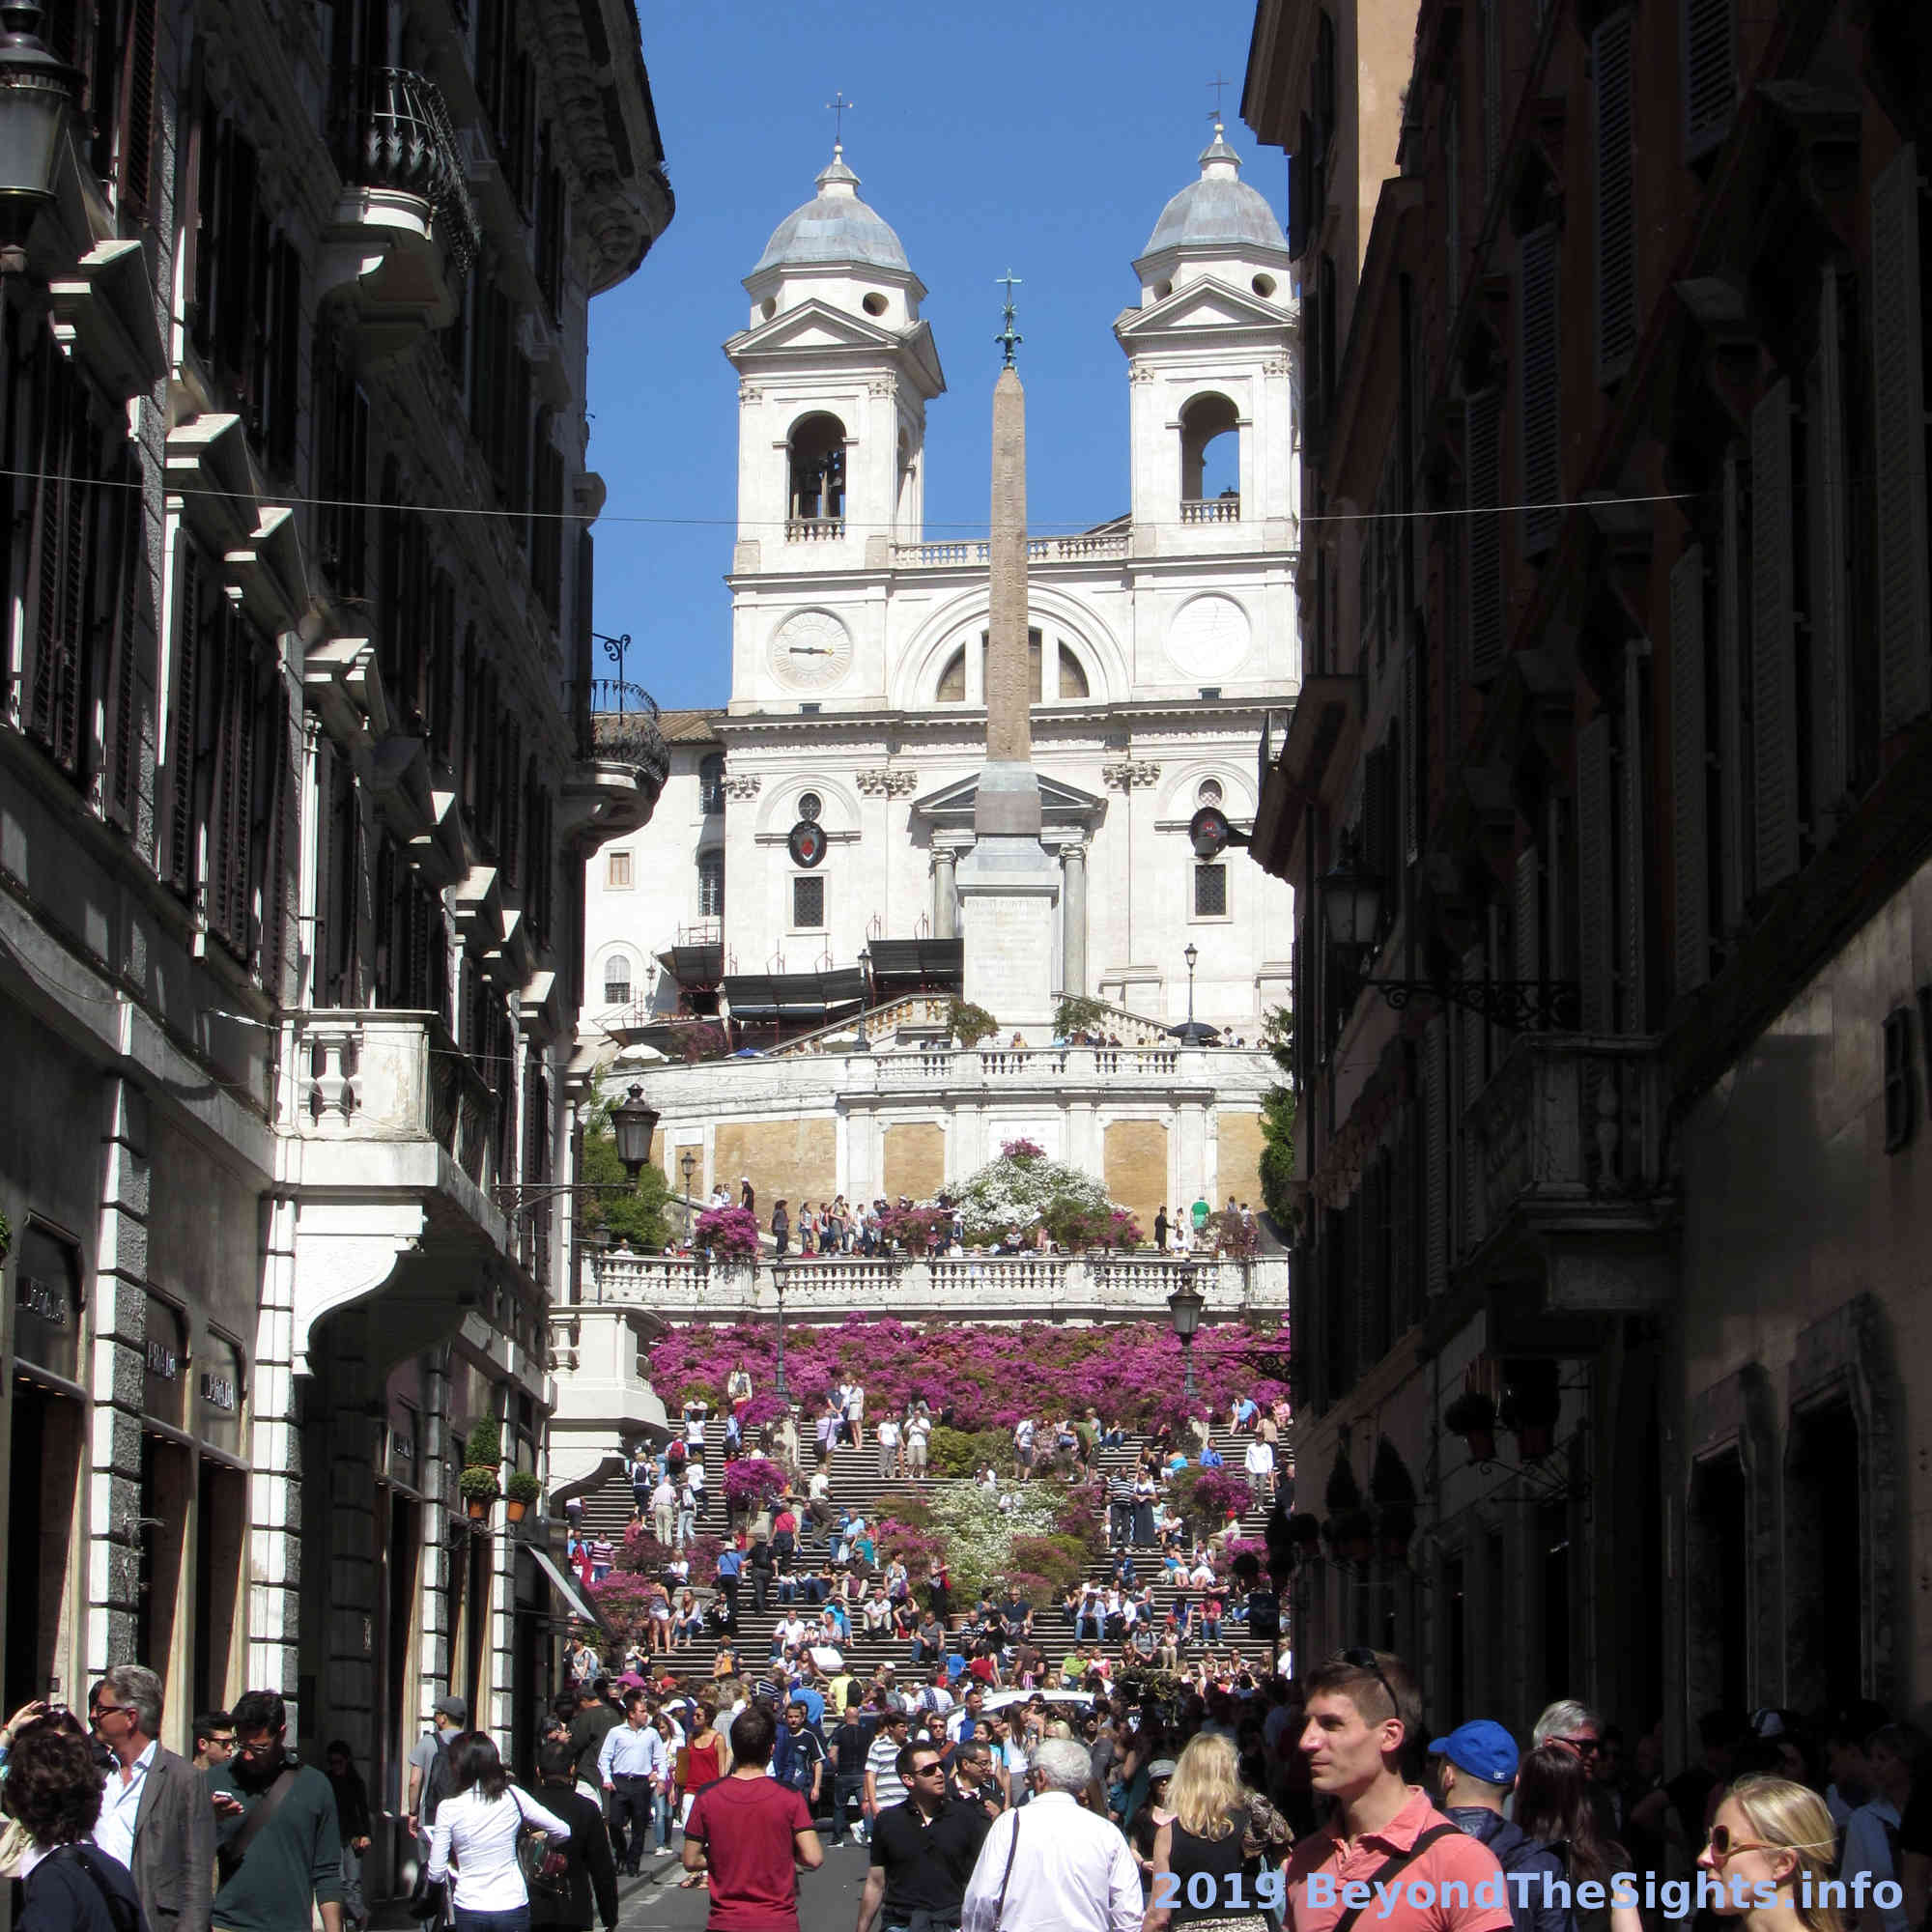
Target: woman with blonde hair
<point x="1212" y="1834"/>
<point x="1771" y="1847"/>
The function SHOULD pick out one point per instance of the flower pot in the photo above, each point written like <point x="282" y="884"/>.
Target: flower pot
<point x="1533" y="1440"/>
<point x="514" y="1509"/>
<point x="1482" y="1445"/>
<point x="479" y="1508"/>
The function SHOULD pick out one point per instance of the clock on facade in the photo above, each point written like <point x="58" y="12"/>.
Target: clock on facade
<point x="1208" y="636"/>
<point x="810" y="649"/>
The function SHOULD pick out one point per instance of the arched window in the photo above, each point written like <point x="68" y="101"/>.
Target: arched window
<point x="952" y="679"/>
<point x="1072" y="676"/>
<point x="817" y="470"/>
<point x="618" y="980"/>
<point x="1210" y="456"/>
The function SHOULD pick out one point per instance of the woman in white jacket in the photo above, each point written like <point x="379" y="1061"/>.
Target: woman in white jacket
<point x="476" y="1831"/>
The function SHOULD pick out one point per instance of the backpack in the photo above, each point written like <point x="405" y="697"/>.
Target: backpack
<point x="435" y="1784"/>
<point x="545" y="1866"/>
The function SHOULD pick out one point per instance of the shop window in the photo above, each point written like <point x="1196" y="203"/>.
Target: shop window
<point x="807" y="904"/>
<point x="1826" y="1587"/>
<point x="1717" y="1637"/>
<point x="1211" y="891"/>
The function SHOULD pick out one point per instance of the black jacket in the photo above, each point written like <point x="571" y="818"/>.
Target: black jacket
<point x="593" y="1872"/>
<point x="58" y="1895"/>
<point x="587" y="1732"/>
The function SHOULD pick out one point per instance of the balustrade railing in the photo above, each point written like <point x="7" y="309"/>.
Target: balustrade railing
<point x="1211" y="510"/>
<point x="1038" y="549"/>
<point x="815" y="530"/>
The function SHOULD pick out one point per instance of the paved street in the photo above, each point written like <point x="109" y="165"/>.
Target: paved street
<point x="828" y="1898"/>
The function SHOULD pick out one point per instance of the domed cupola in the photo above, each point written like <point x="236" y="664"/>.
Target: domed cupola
<point x="1217" y="225"/>
<point x="839" y="249"/>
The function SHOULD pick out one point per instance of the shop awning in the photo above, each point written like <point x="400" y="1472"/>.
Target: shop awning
<point x="934" y="965"/>
<point x="565" y="1585"/>
<point x="694" y="965"/>
<point x="794" y="998"/>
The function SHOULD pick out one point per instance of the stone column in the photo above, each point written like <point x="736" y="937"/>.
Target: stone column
<point x="944" y="893"/>
<point x="1073" y="918"/>
<point x="274" y="1484"/>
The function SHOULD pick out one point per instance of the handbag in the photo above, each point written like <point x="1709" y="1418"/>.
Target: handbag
<point x="426" y="1896"/>
<point x="544" y="1864"/>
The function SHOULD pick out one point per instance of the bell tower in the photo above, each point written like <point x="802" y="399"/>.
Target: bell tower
<point x="834" y="370"/>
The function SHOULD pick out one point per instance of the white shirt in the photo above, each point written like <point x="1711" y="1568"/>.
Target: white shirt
<point x="1260" y="1459"/>
<point x="1072" y="1873"/>
<point x="482" y="1832"/>
<point x="114" y="1829"/>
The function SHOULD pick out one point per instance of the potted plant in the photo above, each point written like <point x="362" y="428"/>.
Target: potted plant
<point x="1531" y="1400"/>
<point x="1304" y="1530"/>
<point x="478" y="1488"/>
<point x="520" y="1492"/>
<point x="1351" y="1534"/>
<point x="1472" y="1416"/>
<point x="970" y="1023"/>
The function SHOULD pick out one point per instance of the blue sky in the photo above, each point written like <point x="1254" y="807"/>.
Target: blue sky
<point x="1032" y="136"/>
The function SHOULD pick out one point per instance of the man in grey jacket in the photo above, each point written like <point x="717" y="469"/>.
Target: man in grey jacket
<point x="155" y="1817"/>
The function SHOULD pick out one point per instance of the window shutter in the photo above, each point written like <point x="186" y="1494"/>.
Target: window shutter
<point x="1411" y="756"/>
<point x="1710" y="74"/>
<point x="1435" y="1158"/>
<point x="137" y="108"/>
<point x="1899" y="409"/>
<point x="1593" y="872"/>
<point x="1481" y="460"/>
<point x="1538" y="388"/>
<point x="284" y="417"/>
<point x="1825" y="483"/>
<point x="1525" y="918"/>
<point x="1452" y="205"/>
<point x="184" y="724"/>
<point x="1691" y="852"/>
<point x="1632" y="874"/>
<point x="1774" y="652"/>
<point x="124" y="731"/>
<point x="1472" y="1074"/>
<point x="1730" y="712"/>
<point x="1616" y="198"/>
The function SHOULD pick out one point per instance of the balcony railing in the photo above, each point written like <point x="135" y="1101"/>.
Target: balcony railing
<point x="624" y="726"/>
<point x="815" y="530"/>
<point x="402" y="140"/>
<point x="1568" y="1122"/>
<point x="1039" y="549"/>
<point x="1212" y="509"/>
<point x="388" y="1078"/>
<point x="988" y="1286"/>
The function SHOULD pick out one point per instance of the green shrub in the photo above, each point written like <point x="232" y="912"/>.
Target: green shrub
<point x="961" y="1452"/>
<point x="478" y="1484"/>
<point x="970" y="1023"/>
<point x="523" y="1487"/>
<point x="484" y="1449"/>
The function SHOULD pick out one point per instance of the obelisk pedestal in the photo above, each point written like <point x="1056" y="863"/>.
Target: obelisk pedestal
<point x="1009" y="885"/>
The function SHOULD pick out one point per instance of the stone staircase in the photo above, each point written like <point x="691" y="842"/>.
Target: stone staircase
<point x="857" y="1484"/>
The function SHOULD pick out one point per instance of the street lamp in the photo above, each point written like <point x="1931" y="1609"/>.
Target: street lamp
<point x="778" y="1283"/>
<point x="36" y="91"/>
<point x="633" y="1121"/>
<point x="1184" y="1309"/>
<point x="862" y="1044"/>
<point x="689" y="1162"/>
<point x="1191" y="955"/>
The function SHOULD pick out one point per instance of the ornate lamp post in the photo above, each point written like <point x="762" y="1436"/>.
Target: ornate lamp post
<point x="36" y="93"/>
<point x="1192" y="957"/>
<point x="1184" y="1309"/>
<point x="862" y="1044"/>
<point x="687" y="1163"/>
<point x="634" y="1120"/>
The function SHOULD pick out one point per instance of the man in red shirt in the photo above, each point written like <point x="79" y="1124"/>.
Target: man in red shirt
<point x="751" y="1834"/>
<point x="1389" y="1860"/>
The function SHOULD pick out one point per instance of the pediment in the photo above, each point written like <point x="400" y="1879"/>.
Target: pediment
<point x="1205" y="303"/>
<point x="813" y="325"/>
<point x="1060" y="802"/>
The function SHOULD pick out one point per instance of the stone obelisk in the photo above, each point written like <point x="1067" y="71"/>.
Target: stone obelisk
<point x="1008" y="883"/>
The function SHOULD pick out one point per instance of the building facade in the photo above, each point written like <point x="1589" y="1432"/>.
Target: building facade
<point x="296" y="785"/>
<point x="855" y="700"/>
<point x="1611" y="753"/>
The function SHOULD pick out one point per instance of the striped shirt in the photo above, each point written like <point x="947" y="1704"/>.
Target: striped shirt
<point x="883" y="1762"/>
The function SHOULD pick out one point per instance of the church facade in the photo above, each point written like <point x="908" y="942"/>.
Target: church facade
<point x="1158" y="642"/>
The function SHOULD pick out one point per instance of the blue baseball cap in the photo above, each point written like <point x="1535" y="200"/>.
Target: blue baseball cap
<point x="1482" y="1747"/>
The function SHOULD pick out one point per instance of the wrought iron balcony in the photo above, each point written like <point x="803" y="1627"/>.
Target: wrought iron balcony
<point x="623" y="758"/>
<point x="406" y="219"/>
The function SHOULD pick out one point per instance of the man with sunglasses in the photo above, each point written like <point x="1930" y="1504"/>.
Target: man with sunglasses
<point x="1573" y="1727"/>
<point x="154" y="1816"/>
<point x="1362" y="1711"/>
<point x="923" y="1850"/>
<point x="277" y="1872"/>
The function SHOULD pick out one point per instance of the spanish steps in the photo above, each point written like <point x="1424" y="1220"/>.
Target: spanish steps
<point x="856" y="1483"/>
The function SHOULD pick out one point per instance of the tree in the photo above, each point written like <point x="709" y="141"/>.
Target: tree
<point x="635" y="1219"/>
<point x="1278" y="1120"/>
